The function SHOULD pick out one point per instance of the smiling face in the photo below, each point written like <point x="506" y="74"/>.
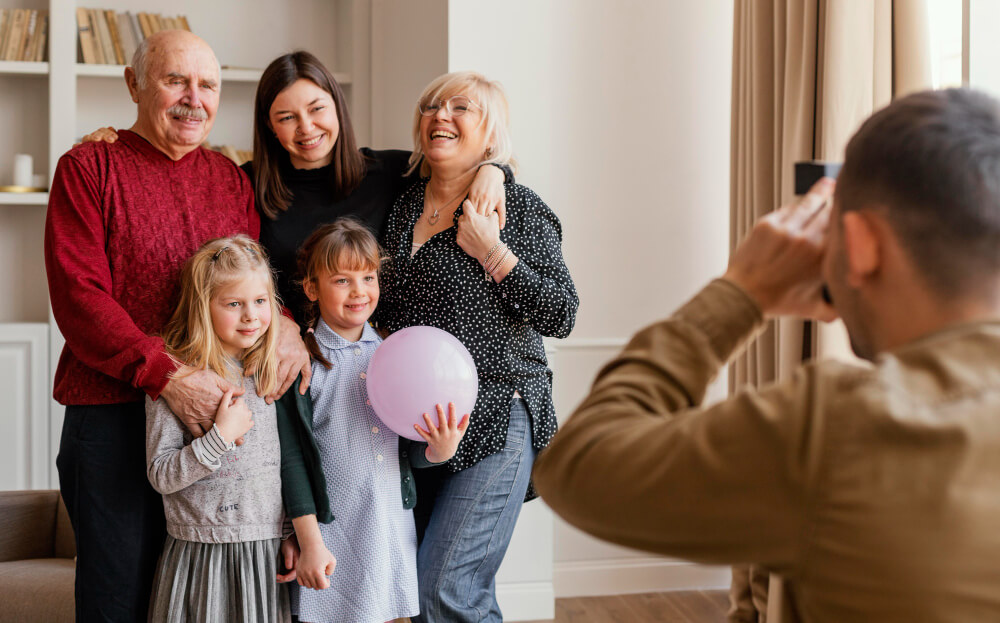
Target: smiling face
<point x="241" y="312"/>
<point x="304" y="119"/>
<point x="347" y="298"/>
<point x="180" y="97"/>
<point x="457" y="142"/>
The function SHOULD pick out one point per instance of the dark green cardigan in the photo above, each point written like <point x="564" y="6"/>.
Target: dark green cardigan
<point x="303" y="484"/>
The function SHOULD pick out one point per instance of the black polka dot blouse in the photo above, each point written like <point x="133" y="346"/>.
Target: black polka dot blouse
<point x="501" y="324"/>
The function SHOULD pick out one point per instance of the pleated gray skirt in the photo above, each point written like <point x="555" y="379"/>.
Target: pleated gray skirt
<point x="218" y="583"/>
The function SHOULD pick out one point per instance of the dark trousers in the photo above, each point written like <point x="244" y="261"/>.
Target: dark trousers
<point x="116" y="515"/>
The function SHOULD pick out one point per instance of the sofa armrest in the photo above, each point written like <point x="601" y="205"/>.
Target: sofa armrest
<point x="27" y="524"/>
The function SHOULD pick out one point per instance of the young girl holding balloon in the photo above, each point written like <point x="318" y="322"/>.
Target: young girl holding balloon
<point x="363" y="492"/>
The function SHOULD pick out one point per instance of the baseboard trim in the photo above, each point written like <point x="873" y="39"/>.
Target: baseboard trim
<point x="527" y="601"/>
<point x="623" y="576"/>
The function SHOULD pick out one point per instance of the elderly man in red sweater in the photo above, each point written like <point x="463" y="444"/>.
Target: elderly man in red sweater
<point x="122" y="219"/>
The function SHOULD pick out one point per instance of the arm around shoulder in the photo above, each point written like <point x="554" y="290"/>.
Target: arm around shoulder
<point x="538" y="289"/>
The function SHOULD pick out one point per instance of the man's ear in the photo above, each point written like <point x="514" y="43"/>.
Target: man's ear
<point x="862" y="246"/>
<point x="310" y="289"/>
<point x="132" y="84"/>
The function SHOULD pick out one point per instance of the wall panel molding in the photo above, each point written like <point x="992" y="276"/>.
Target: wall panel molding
<point x="25" y="461"/>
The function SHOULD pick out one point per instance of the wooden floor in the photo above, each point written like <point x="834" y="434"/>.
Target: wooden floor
<point x="672" y="607"/>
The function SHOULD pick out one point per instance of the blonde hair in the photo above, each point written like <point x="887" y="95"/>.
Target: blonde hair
<point x="345" y="244"/>
<point x="189" y="335"/>
<point x="489" y="96"/>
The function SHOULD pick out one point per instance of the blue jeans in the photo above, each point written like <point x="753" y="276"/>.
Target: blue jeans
<point x="464" y="523"/>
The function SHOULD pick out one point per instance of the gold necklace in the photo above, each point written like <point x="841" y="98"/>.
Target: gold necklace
<point x="434" y="218"/>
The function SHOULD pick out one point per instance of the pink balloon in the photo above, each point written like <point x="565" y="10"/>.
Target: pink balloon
<point x="415" y="369"/>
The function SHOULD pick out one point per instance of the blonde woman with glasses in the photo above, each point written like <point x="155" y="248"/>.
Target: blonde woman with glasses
<point x="498" y="291"/>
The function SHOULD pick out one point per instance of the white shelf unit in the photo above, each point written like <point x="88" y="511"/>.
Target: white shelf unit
<point x="24" y="199"/>
<point x="10" y="68"/>
<point x="47" y="106"/>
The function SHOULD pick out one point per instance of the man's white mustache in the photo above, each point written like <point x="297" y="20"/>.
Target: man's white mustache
<point x="180" y="110"/>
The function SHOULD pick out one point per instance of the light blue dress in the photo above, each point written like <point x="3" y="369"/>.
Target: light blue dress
<point x="372" y="536"/>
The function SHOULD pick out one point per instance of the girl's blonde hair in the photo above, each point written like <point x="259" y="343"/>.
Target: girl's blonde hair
<point x="345" y="244"/>
<point x="489" y="96"/>
<point x="189" y="335"/>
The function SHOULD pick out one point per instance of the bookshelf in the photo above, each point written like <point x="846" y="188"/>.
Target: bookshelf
<point x="48" y="105"/>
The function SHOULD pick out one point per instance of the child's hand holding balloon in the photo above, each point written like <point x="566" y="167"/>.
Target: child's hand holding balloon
<point x="442" y="439"/>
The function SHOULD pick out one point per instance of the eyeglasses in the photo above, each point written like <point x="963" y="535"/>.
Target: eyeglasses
<point x="456" y="106"/>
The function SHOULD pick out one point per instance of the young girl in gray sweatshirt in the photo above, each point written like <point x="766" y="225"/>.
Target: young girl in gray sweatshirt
<point x="222" y="501"/>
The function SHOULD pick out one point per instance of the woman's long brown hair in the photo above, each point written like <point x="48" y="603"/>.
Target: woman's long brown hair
<point x="272" y="194"/>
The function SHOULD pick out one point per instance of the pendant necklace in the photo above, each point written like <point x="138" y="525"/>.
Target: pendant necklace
<point x="434" y="218"/>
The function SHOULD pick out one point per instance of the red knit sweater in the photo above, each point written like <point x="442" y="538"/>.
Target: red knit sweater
<point x="122" y="220"/>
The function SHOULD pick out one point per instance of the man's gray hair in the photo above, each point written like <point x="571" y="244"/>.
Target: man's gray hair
<point x="140" y="64"/>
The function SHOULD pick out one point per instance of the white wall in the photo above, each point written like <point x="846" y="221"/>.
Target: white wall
<point x="984" y="53"/>
<point x="409" y="48"/>
<point x="620" y="115"/>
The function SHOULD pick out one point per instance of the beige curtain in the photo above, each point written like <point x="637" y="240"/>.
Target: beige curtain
<point x="806" y="73"/>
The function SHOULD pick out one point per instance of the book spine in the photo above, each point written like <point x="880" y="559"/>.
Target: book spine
<point x="107" y="49"/>
<point x="116" y="42"/>
<point x="95" y="30"/>
<point x="41" y="42"/>
<point x="147" y="26"/>
<point x="136" y="29"/>
<point x="6" y="18"/>
<point x="27" y="36"/>
<point x="84" y="35"/>
<point x="13" y="44"/>
<point x="127" y="37"/>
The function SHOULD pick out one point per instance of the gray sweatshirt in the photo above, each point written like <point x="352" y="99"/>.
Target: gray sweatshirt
<point x="213" y="491"/>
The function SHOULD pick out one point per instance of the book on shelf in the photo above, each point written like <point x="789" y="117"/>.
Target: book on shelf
<point x="36" y="49"/>
<point x="108" y="37"/>
<point x="116" y="41"/>
<point x="126" y="35"/>
<point x="105" y="55"/>
<point x="23" y="34"/>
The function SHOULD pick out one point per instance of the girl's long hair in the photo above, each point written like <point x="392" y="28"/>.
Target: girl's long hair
<point x="271" y="192"/>
<point x="345" y="244"/>
<point x="189" y="335"/>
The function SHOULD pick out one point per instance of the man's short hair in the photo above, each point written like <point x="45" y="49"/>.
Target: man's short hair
<point x="930" y="162"/>
<point x="140" y="63"/>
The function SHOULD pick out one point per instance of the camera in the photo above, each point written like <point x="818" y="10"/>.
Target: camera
<point x="807" y="174"/>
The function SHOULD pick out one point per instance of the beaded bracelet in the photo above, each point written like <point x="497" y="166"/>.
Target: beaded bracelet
<point x="493" y="250"/>
<point x="492" y="268"/>
<point x="500" y="263"/>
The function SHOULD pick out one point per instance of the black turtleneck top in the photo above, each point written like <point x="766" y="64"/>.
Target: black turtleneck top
<point x="313" y="204"/>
